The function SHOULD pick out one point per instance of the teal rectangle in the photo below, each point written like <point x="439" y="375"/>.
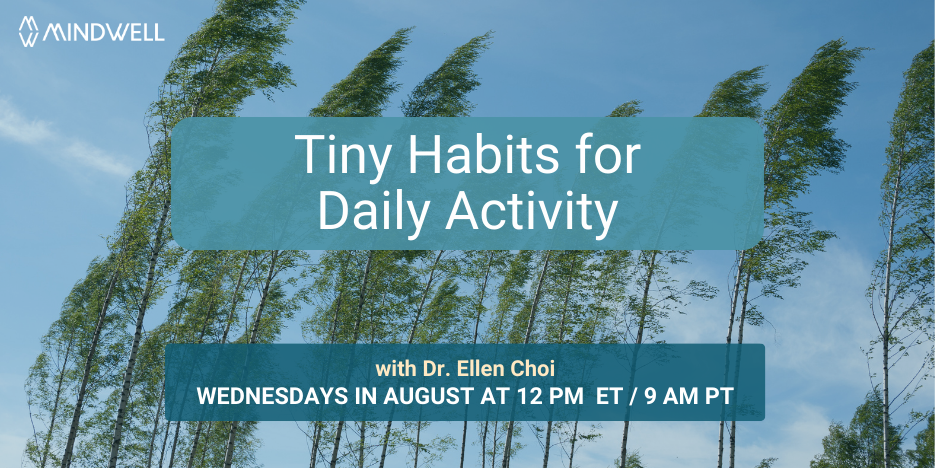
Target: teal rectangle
<point x="689" y="382"/>
<point x="244" y="183"/>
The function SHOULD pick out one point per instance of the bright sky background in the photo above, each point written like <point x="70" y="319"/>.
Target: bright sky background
<point x="71" y="131"/>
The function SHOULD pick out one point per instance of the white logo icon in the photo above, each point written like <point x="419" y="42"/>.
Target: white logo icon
<point x="32" y="34"/>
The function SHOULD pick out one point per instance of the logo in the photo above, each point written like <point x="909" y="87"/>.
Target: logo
<point x="88" y="32"/>
<point x="30" y="39"/>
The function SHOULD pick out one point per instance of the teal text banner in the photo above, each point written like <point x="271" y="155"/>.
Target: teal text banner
<point x="467" y="183"/>
<point x="453" y="382"/>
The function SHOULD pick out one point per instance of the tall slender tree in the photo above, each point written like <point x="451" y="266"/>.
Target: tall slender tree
<point x="265" y="328"/>
<point x="568" y="287"/>
<point x="799" y="143"/>
<point x="529" y="314"/>
<point x="58" y="370"/>
<point x="217" y="68"/>
<point x="900" y="292"/>
<point x="364" y="92"/>
<point x="482" y="269"/>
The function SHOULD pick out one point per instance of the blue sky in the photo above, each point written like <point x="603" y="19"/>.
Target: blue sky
<point x="71" y="131"/>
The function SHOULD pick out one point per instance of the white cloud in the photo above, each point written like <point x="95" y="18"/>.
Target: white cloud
<point x="93" y="157"/>
<point x="40" y="136"/>
<point x="14" y="126"/>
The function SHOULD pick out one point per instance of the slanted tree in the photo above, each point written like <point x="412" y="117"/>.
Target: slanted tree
<point x="481" y="269"/>
<point x="567" y="290"/>
<point x="435" y="321"/>
<point x="524" y="323"/>
<point x="227" y="60"/>
<point x="653" y="294"/>
<point x="511" y="298"/>
<point x="266" y="328"/>
<point x="900" y="293"/>
<point x="364" y="92"/>
<point x="799" y="143"/>
<point x="58" y="370"/>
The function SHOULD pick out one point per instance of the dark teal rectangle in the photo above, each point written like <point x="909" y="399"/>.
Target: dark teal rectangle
<point x="244" y="183"/>
<point x="192" y="370"/>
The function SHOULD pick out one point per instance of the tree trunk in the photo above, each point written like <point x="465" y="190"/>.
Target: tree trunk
<point x="332" y="336"/>
<point x="415" y="463"/>
<point x="548" y="444"/>
<point x="561" y="338"/>
<point x="191" y="456"/>
<point x="232" y="435"/>
<point x="483" y="446"/>
<point x="360" y="308"/>
<point x="234" y="299"/>
<point x="137" y="336"/>
<point x="639" y="340"/>
<point x="204" y="447"/>
<point x="152" y="439"/>
<point x="463" y="443"/>
<point x="363" y="439"/>
<point x="227" y="324"/>
<point x="175" y="441"/>
<point x="886" y="315"/>
<point x="730" y="329"/>
<point x="315" y="439"/>
<point x="493" y="456"/>
<point x="574" y="438"/>
<point x="412" y="335"/>
<point x="204" y="326"/>
<point x="58" y="395"/>
<point x="76" y="416"/>
<point x="480" y="308"/>
<point x="337" y="445"/>
<point x="743" y="316"/>
<point x="386" y="441"/>
<point x="165" y="440"/>
<point x="532" y="318"/>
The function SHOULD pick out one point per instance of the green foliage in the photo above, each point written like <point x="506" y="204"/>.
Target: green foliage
<point x="57" y="372"/>
<point x="860" y="444"/>
<point x="227" y="60"/>
<point x="627" y="109"/>
<point x="766" y="462"/>
<point x="482" y="269"/>
<point x="634" y="460"/>
<point x="901" y="288"/>
<point x="366" y="90"/>
<point x="430" y="452"/>
<point x="443" y="92"/>
<point x="900" y="292"/>
<point x="424" y="296"/>
<point x="800" y="141"/>
<point x="923" y="455"/>
<point x="737" y="96"/>
<point x="566" y="291"/>
<point x="573" y="436"/>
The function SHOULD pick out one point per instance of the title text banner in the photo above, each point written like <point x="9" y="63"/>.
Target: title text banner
<point x="467" y="183"/>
